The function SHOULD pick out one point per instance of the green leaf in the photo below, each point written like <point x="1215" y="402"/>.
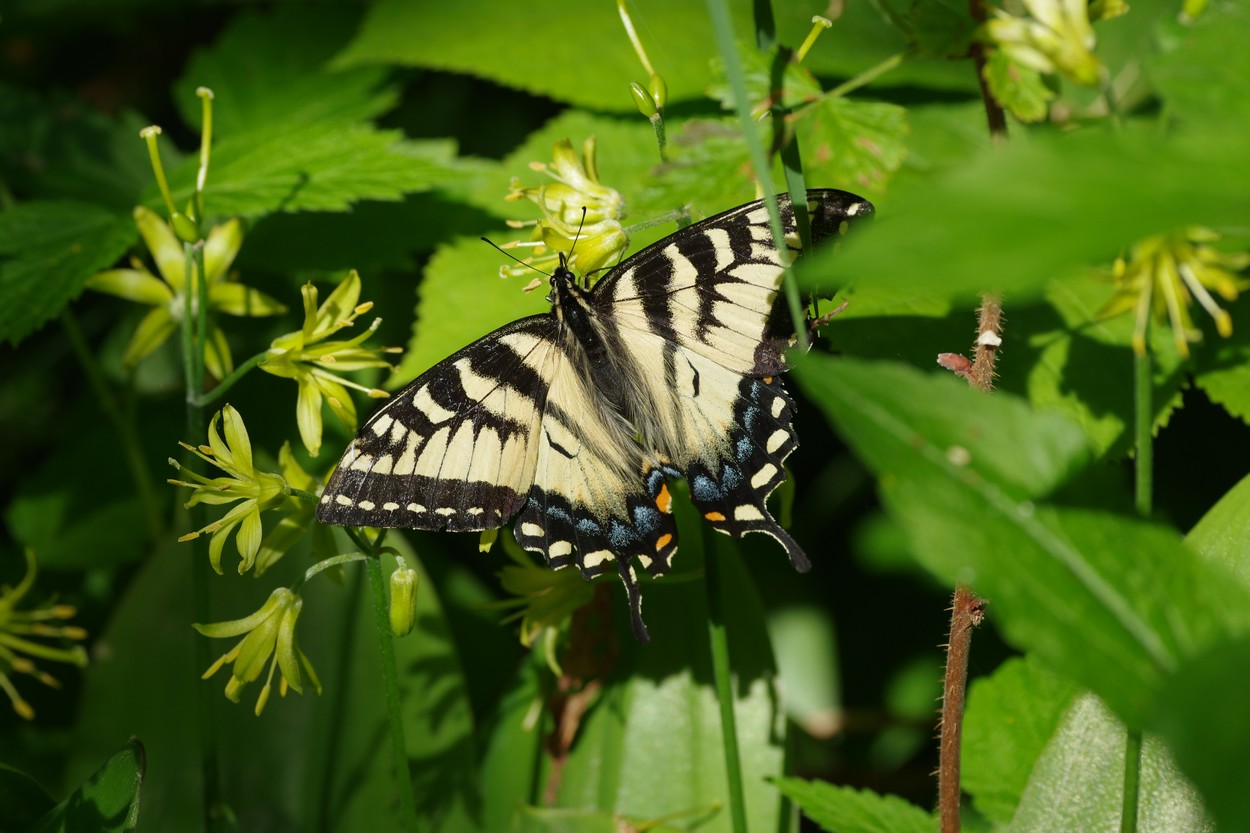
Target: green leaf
<point x="1223" y="369"/>
<point x="1202" y="715"/>
<point x="559" y="820"/>
<point x="964" y="473"/>
<point x="269" y="69"/>
<point x="107" y="801"/>
<point x="319" y="166"/>
<point x="853" y="143"/>
<point x="941" y="28"/>
<point x="1078" y="782"/>
<point x="22" y="799"/>
<point x="48" y="250"/>
<point x="1201" y="69"/>
<point x="1018" y="88"/>
<point x="841" y="809"/>
<point x="1016" y="217"/>
<point x="1223" y="533"/>
<point x="528" y="46"/>
<point x="1011" y="716"/>
<point x="335" y="744"/>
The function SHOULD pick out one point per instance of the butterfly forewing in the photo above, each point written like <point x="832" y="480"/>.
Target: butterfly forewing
<point x="456" y="448"/>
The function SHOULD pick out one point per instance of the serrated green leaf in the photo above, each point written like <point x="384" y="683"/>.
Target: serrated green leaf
<point x="1010" y="717"/>
<point x="1201" y="69"/>
<point x="941" y="28"/>
<point x="1223" y="368"/>
<point x="319" y="166"/>
<point x="1014" y="218"/>
<point x="48" y="250"/>
<point x="108" y="801"/>
<point x="1113" y="603"/>
<point x="527" y="46"/>
<point x="854" y="144"/>
<point x="839" y="809"/>
<point x="269" y="69"/>
<point x="1078" y="782"/>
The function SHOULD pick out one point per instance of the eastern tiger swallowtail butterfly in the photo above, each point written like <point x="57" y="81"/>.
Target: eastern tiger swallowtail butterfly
<point x="577" y="418"/>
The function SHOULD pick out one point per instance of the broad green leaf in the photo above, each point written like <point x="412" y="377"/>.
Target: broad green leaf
<point x="108" y="801"/>
<point x="48" y="250"/>
<point x="941" y="28"/>
<point x="583" y="59"/>
<point x="839" y="809"/>
<point x="1201" y="714"/>
<point x="1014" y="218"/>
<point x="269" y="70"/>
<point x="1201" y="70"/>
<point x="22" y="799"/>
<point x="1010" y="717"/>
<point x="853" y="143"/>
<point x="1078" y="782"/>
<point x="1223" y="533"/>
<point x="1111" y="602"/>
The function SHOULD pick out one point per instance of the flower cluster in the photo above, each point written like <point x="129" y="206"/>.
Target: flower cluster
<point x="1055" y="37"/>
<point x="308" y="357"/>
<point x="575" y="207"/>
<point x="254" y="490"/>
<point x="268" y="640"/>
<point x="175" y="294"/>
<point x="19" y="630"/>
<point x="1166" y="273"/>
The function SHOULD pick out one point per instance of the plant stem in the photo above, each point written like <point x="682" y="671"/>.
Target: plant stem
<point x="193" y="373"/>
<point x="1143" y="423"/>
<point x="722" y="675"/>
<point x="966" y="613"/>
<point x="220" y="389"/>
<point x="390" y="682"/>
<point x="994" y="115"/>
<point x="124" y="429"/>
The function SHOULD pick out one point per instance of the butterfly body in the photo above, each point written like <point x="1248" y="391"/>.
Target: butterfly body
<point x="575" y="421"/>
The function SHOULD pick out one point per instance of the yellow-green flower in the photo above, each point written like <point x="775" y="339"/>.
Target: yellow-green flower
<point x="19" y="630"/>
<point x="307" y="357"/>
<point x="1055" y="37"/>
<point x="544" y="598"/>
<point x="269" y="641"/>
<point x="255" y="490"/>
<point x="1166" y="273"/>
<point x="598" y="232"/>
<point x="171" y="298"/>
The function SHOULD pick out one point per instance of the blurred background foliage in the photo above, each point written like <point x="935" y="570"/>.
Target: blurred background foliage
<point x="382" y="137"/>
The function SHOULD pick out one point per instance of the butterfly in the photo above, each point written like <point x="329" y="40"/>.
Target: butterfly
<point x="575" y="421"/>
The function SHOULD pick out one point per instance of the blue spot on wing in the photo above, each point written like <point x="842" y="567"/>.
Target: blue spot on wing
<point x="647" y="519"/>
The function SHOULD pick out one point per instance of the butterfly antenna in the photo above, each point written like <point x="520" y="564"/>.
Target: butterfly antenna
<point x="507" y="253"/>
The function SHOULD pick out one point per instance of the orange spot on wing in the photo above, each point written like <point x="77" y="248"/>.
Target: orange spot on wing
<point x="714" y="516"/>
<point x="663" y="541"/>
<point x="664" y="500"/>
<point x="768" y="380"/>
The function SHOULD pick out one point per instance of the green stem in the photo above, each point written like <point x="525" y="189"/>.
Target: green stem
<point x="193" y="376"/>
<point x="336" y="707"/>
<point x="219" y="390"/>
<point x="390" y="683"/>
<point x="721" y="673"/>
<point x="124" y="429"/>
<point x="726" y="42"/>
<point x="1143" y="424"/>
